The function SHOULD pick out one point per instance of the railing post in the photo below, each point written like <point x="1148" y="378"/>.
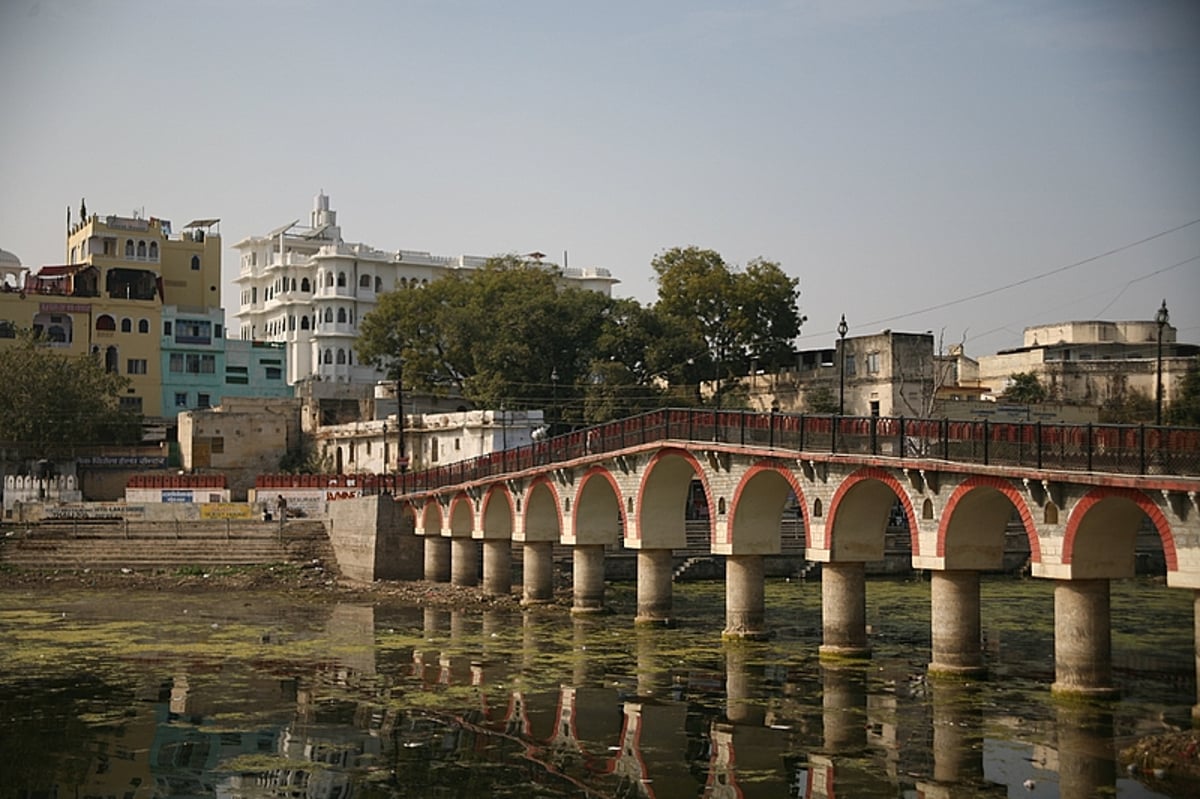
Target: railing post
<point x="874" y="435"/>
<point x="743" y="424"/>
<point x="803" y="423"/>
<point x="985" y="442"/>
<point x="1037" y="440"/>
<point x="1089" y="446"/>
<point x="833" y="434"/>
<point x="690" y="437"/>
<point x="1141" y="449"/>
<point x="945" y="439"/>
<point x="900" y="451"/>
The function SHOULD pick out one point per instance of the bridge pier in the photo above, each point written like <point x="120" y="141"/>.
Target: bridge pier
<point x="1082" y="638"/>
<point x="537" y="573"/>
<point x="844" y="610"/>
<point x="464" y="562"/>
<point x="588" y="578"/>
<point x="1196" y="644"/>
<point x="497" y="566"/>
<point x="744" y="602"/>
<point x="437" y="559"/>
<point x="654" y="586"/>
<point x="954" y="619"/>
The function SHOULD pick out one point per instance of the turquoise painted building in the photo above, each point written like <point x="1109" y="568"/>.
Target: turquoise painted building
<point x="200" y="367"/>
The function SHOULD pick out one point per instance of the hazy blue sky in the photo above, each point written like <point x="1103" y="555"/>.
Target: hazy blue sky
<point x="892" y="155"/>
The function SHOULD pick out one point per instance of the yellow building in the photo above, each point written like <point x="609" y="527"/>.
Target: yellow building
<point x="108" y="297"/>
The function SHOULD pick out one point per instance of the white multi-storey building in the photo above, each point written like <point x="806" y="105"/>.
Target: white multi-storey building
<point x="307" y="288"/>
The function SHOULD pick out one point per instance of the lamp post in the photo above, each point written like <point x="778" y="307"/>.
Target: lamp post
<point x="401" y="458"/>
<point x="1161" y="318"/>
<point x="842" y="330"/>
<point x="553" y="397"/>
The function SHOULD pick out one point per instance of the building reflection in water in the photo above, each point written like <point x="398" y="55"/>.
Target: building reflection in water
<point x="620" y="714"/>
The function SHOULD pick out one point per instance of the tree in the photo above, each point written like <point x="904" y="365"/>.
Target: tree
<point x="504" y="334"/>
<point x="1025" y="388"/>
<point x="726" y="318"/>
<point x="1185" y="410"/>
<point x="52" y="402"/>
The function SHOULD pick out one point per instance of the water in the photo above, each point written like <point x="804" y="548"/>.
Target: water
<point x="260" y="695"/>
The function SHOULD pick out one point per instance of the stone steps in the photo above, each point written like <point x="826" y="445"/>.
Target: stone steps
<point x="143" y="546"/>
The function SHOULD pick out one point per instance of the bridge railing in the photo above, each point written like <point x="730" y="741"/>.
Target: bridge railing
<point x="1119" y="449"/>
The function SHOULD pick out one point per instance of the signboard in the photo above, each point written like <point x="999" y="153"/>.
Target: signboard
<point x="177" y="495"/>
<point x="122" y="461"/>
<point x="225" y="510"/>
<point x="93" y="510"/>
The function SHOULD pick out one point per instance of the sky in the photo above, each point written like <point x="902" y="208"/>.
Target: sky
<point x="966" y="168"/>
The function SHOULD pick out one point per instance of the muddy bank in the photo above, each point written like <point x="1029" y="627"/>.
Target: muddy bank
<point x="310" y="581"/>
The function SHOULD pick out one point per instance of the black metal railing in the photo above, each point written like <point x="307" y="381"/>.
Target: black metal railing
<point x="1116" y="449"/>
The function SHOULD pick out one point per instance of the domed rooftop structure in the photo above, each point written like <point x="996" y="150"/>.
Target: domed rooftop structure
<point x="9" y="260"/>
<point x="10" y="270"/>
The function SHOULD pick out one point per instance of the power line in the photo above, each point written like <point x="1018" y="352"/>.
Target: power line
<point x="1023" y="281"/>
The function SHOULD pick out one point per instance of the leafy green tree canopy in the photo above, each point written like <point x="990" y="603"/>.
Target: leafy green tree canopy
<point x="725" y="317"/>
<point x="1025" y="388"/>
<point x="52" y="402"/>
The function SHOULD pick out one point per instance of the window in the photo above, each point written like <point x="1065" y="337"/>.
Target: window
<point x="193" y="331"/>
<point x="154" y="250"/>
<point x="128" y="248"/>
<point x="364" y="282"/>
<point x="341" y="279"/>
<point x="7" y="329"/>
<point x="291" y="322"/>
<point x="203" y="401"/>
<point x="217" y="332"/>
<point x="341" y="316"/>
<point x="341" y="356"/>
<point x="873" y="363"/>
<point x="304" y="323"/>
<point x="850" y="365"/>
<point x="135" y="366"/>
<point x="166" y="328"/>
<point x="131" y="404"/>
<point x="200" y="364"/>
<point x="328" y="315"/>
<point x="378" y="284"/>
<point x="180" y="399"/>
<point x="329" y="279"/>
<point x="329" y="357"/>
<point x="293" y="284"/>
<point x="110" y="360"/>
<point x="274" y="373"/>
<point x="143" y="325"/>
<point x="126" y="325"/>
<point x="304" y="285"/>
<point x="105" y="322"/>
<point x="218" y="445"/>
<point x="195" y="263"/>
<point x="176" y="363"/>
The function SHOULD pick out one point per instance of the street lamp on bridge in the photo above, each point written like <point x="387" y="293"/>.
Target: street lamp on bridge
<point x="842" y="330"/>
<point x="1161" y="318"/>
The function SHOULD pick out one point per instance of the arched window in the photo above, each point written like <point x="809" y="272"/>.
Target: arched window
<point x="105" y="322"/>
<point x="291" y="322"/>
<point x="154" y="250"/>
<point x="341" y="279"/>
<point x="110" y="359"/>
<point x="195" y="263"/>
<point x="329" y="279"/>
<point x="341" y="356"/>
<point x="143" y="325"/>
<point x="403" y="282"/>
<point x="364" y="282"/>
<point x="304" y="285"/>
<point x="128" y="248"/>
<point x="329" y="356"/>
<point x="378" y="284"/>
<point x="293" y="284"/>
<point x="341" y="316"/>
<point x="141" y="249"/>
<point x="126" y="325"/>
<point x="304" y="322"/>
<point x="329" y="316"/>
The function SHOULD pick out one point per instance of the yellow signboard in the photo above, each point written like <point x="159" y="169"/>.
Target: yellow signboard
<point x="225" y="510"/>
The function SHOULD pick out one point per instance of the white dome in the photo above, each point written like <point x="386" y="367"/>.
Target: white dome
<point x="9" y="260"/>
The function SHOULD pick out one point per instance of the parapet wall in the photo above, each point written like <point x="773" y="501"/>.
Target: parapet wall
<point x="374" y="541"/>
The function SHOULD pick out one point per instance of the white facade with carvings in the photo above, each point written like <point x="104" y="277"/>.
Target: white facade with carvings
<point x="306" y="287"/>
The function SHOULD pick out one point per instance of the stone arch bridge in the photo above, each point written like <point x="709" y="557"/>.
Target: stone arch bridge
<point x="1080" y="492"/>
